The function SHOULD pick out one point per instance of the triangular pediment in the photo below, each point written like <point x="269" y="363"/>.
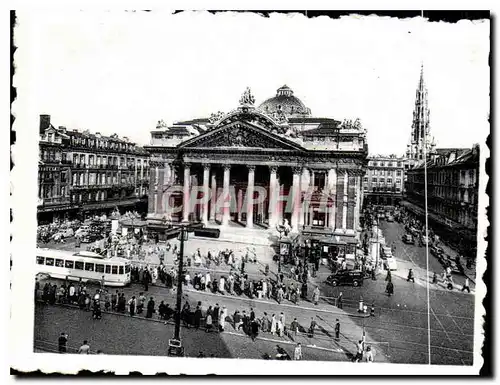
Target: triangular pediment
<point x="240" y="134"/>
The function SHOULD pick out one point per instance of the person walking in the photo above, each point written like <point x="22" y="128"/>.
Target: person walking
<point x="359" y="352"/>
<point x="215" y="313"/>
<point x="274" y="324"/>
<point x="316" y="295"/>
<point x="254" y="329"/>
<point x="62" y="341"/>
<point x="141" y="302"/>
<point x="132" y="306"/>
<point x="197" y="317"/>
<point x="297" y="353"/>
<point x="340" y="300"/>
<point x="337" y="330"/>
<point x="389" y="289"/>
<point x="150" y="308"/>
<point x="369" y="354"/>
<point x="466" y="285"/>
<point x="222" y="285"/>
<point x="208" y="323"/>
<point x="222" y="319"/>
<point x="84" y="349"/>
<point x="312" y="326"/>
<point x="294" y="327"/>
<point x="265" y="323"/>
<point x="411" y="276"/>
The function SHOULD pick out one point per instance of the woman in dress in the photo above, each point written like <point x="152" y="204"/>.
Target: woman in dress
<point x="274" y="324"/>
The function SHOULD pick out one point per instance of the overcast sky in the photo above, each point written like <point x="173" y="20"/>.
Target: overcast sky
<point x="122" y="72"/>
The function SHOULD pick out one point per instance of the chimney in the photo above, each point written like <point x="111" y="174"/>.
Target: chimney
<point x="62" y="128"/>
<point x="44" y="123"/>
<point x="475" y="149"/>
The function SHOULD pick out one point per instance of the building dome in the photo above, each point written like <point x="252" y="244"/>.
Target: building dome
<point x="284" y="102"/>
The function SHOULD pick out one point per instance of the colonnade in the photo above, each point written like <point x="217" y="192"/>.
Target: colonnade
<point x="301" y="203"/>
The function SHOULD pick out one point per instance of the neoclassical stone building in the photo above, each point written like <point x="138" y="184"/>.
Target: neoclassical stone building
<point x="300" y="169"/>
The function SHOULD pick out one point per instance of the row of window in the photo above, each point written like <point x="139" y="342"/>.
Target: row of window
<point x="100" y="143"/>
<point x="86" y="266"/>
<point x="53" y="155"/>
<point x="384" y="164"/>
<point x="382" y="180"/>
<point x="385" y="172"/>
<point x="110" y="160"/>
<point x="382" y="189"/>
<point x="104" y="179"/>
<point x="46" y="175"/>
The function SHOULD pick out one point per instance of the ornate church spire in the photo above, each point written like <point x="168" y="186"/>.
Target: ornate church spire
<point x="420" y="129"/>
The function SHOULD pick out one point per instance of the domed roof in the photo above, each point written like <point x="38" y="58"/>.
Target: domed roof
<point x="284" y="102"/>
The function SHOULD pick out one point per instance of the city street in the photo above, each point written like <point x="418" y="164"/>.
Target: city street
<point x="414" y="256"/>
<point x="398" y="332"/>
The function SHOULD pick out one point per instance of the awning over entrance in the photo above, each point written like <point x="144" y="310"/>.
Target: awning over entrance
<point x="330" y="240"/>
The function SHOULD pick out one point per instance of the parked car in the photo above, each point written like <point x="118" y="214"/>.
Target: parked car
<point x="436" y="251"/>
<point x="346" y="277"/>
<point x="82" y="230"/>
<point x="386" y="252"/>
<point x="390" y="264"/>
<point x="408" y="239"/>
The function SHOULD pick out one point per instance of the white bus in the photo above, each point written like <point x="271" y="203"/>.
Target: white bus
<point x="83" y="265"/>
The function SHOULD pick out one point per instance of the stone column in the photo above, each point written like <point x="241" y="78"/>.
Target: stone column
<point x="250" y="190"/>
<point x="296" y="198"/>
<point x="225" y="194"/>
<point x="206" y="192"/>
<point x="273" y="198"/>
<point x="344" y="208"/>
<point x="151" y="195"/>
<point x="159" y="191"/>
<point x="332" y="181"/>
<point x="185" y="202"/>
<point x="165" y="188"/>
<point x="240" y="204"/>
<point x="356" y="204"/>
<point x="213" y="200"/>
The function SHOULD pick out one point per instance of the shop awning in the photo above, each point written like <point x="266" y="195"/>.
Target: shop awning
<point x="128" y="222"/>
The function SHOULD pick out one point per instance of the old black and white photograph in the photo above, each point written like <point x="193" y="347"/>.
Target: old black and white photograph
<point x="213" y="192"/>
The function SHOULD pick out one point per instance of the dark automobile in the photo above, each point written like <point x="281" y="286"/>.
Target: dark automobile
<point x="346" y="277"/>
<point x="408" y="238"/>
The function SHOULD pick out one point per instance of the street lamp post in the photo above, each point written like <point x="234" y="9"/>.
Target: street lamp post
<point x="175" y="345"/>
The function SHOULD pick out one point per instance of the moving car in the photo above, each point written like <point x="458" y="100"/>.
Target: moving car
<point x="408" y="239"/>
<point x="346" y="277"/>
<point x="390" y="218"/>
<point x="390" y="264"/>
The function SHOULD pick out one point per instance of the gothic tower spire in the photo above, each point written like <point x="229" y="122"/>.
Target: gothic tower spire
<point x="420" y="129"/>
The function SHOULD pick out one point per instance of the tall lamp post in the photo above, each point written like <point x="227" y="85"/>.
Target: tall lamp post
<point x="174" y="345"/>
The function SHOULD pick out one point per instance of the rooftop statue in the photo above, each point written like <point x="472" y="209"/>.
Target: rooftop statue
<point x="247" y="99"/>
<point x="161" y="124"/>
<point x="215" y="117"/>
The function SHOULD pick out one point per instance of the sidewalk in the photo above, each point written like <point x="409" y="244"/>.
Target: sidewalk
<point x="469" y="273"/>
